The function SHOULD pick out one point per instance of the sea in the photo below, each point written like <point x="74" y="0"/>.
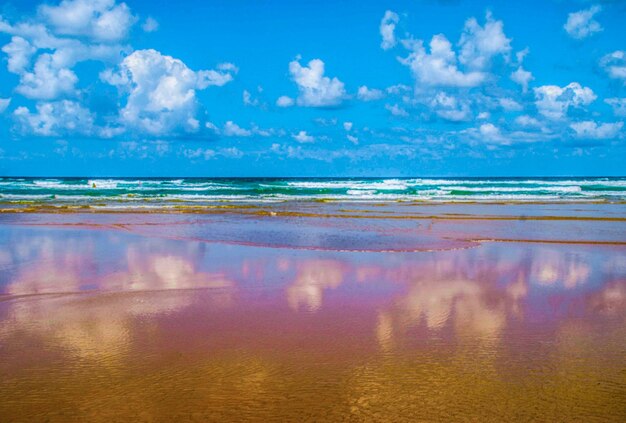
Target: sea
<point x="164" y="192"/>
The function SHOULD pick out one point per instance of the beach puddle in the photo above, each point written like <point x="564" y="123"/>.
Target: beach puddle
<point x="102" y="324"/>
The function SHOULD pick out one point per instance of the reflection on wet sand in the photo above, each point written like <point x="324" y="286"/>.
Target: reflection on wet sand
<point x="312" y="279"/>
<point x="145" y="328"/>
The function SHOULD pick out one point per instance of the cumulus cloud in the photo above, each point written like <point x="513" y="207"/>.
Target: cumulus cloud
<point x="101" y="20"/>
<point x="487" y="133"/>
<point x="4" y="103"/>
<point x="47" y="80"/>
<point x="315" y="89"/>
<point x="528" y="121"/>
<point x="581" y="24"/>
<point x="398" y="89"/>
<point x="19" y="52"/>
<point x="553" y="101"/>
<point x="396" y="110"/>
<point x="441" y="66"/>
<point x="490" y="132"/>
<point x="450" y="108"/>
<point x="248" y="100"/>
<point x="618" y="105"/>
<point x="615" y="64"/>
<point x="60" y="118"/>
<point x="161" y="91"/>
<point x="150" y="25"/>
<point x="369" y="94"/>
<point x="284" y="101"/>
<point x="522" y="77"/>
<point x="387" y="29"/>
<point x="347" y="126"/>
<point x="480" y="43"/>
<point x="231" y="129"/>
<point x="592" y="130"/>
<point x="44" y="50"/>
<point x="509" y="104"/>
<point x="228" y="67"/>
<point x="303" y="137"/>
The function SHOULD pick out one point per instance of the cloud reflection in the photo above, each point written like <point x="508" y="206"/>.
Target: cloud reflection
<point x="312" y="279"/>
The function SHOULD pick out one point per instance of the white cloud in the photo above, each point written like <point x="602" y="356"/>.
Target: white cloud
<point x="210" y="78"/>
<point x="211" y="126"/>
<point x="303" y="137"/>
<point x="509" y="104"/>
<point x="480" y="44"/>
<point x="590" y="129"/>
<point x="150" y="25"/>
<point x="581" y="24"/>
<point x="347" y="126"/>
<point x="618" y="105"/>
<point x="20" y="52"/>
<point x="553" y="101"/>
<point x="490" y="132"/>
<point x="4" y="103"/>
<point x="102" y="20"/>
<point x="396" y="110"/>
<point x="615" y="64"/>
<point x="369" y="94"/>
<point x="521" y="55"/>
<point x="231" y="129"/>
<point x="316" y="90"/>
<point x="387" y="29"/>
<point x="228" y="67"/>
<point x="248" y="100"/>
<point x="52" y="76"/>
<point x="47" y="80"/>
<point x="284" y="101"/>
<point x="354" y="140"/>
<point x="525" y="120"/>
<point x="440" y="67"/>
<point x="398" y="89"/>
<point x="161" y="91"/>
<point x="522" y="77"/>
<point x="450" y="108"/>
<point x="59" y="118"/>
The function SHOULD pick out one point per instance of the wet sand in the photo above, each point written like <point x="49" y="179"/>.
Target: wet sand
<point x="316" y="313"/>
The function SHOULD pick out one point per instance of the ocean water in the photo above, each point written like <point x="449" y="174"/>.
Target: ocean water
<point x="150" y="192"/>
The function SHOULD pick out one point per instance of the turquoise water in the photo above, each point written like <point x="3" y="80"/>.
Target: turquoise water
<point x="126" y="192"/>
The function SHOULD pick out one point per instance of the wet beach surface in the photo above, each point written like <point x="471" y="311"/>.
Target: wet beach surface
<point x="292" y="317"/>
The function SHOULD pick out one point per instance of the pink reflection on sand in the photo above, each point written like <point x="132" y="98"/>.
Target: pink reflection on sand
<point x="312" y="279"/>
<point x="95" y="324"/>
<point x="552" y="267"/>
<point x="611" y="300"/>
<point x="51" y="268"/>
<point x="442" y="294"/>
<point x="161" y="272"/>
<point x="58" y="268"/>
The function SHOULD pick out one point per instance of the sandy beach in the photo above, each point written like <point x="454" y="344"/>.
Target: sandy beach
<point x="316" y="312"/>
<point x="312" y="211"/>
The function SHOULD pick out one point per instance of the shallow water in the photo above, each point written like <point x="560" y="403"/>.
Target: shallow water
<point x="114" y="194"/>
<point x="122" y="323"/>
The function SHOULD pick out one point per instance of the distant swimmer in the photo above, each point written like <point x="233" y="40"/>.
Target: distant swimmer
<point x="93" y="185"/>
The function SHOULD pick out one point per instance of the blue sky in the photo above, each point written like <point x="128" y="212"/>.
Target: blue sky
<point x="312" y="88"/>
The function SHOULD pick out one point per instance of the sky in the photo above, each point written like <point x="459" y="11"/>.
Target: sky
<point x="312" y="88"/>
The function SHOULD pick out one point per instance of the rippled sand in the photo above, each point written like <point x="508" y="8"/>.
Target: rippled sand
<point x="292" y="318"/>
